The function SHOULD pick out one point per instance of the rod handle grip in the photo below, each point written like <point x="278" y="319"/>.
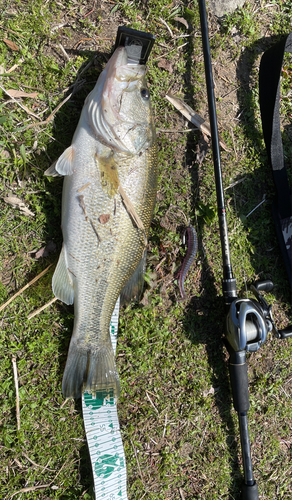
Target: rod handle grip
<point x="239" y="382"/>
<point x="249" y="492"/>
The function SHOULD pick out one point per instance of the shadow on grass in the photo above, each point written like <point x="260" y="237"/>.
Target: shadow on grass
<point x="64" y="124"/>
<point x="209" y="325"/>
<point x="258" y="185"/>
<point x="206" y="316"/>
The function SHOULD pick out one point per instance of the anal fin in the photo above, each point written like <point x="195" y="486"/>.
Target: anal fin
<point x="134" y="287"/>
<point x="62" y="283"/>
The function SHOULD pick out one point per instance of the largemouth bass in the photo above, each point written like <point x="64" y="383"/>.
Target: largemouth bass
<point x="108" y="199"/>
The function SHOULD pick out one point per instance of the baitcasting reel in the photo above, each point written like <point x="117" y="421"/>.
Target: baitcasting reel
<point x="249" y="321"/>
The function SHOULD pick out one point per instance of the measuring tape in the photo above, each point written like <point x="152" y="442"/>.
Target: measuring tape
<point x="104" y="436"/>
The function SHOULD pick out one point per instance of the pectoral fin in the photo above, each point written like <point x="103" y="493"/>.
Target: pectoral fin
<point x="62" y="283"/>
<point x="51" y="171"/>
<point x="64" y="165"/>
<point x="134" y="286"/>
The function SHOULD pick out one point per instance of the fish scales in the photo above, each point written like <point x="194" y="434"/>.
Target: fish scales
<point x="102" y="245"/>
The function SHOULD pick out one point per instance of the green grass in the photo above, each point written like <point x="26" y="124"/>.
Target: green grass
<point x="175" y="349"/>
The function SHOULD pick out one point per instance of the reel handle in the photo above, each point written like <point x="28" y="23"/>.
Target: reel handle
<point x="264" y="286"/>
<point x="286" y="333"/>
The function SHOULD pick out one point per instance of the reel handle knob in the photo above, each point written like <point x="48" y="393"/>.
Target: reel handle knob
<point x="264" y="286"/>
<point x="286" y="333"/>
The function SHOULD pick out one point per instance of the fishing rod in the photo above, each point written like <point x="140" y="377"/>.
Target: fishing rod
<point x="248" y="321"/>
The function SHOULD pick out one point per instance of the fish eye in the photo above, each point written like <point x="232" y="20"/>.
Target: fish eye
<point x="145" y="93"/>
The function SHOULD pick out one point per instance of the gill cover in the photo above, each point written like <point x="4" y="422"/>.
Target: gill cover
<point x="117" y="112"/>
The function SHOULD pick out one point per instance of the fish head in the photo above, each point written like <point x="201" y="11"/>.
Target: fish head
<point x="119" y="108"/>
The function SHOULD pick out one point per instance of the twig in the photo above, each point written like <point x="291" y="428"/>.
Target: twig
<point x="30" y="488"/>
<point x="58" y="26"/>
<point x="37" y="465"/>
<point x="15" y="66"/>
<point x="64" y="402"/>
<point x="232" y="135"/>
<point x="203" y="436"/>
<point x="61" y="469"/>
<point x="181" y="494"/>
<point x="90" y="11"/>
<point x="164" y="430"/>
<point x="263" y="201"/>
<point x="174" y="130"/>
<point x="40" y="309"/>
<point x="235" y="183"/>
<point x="14" y="366"/>
<point x="159" y="264"/>
<point x="172" y="50"/>
<point x="45" y="122"/>
<point x="165" y="24"/>
<point x="46" y="467"/>
<point x="64" y="52"/>
<point x="193" y="117"/>
<point x="76" y="87"/>
<point x="19" y="104"/>
<point x="151" y="402"/>
<point x="24" y="288"/>
<point x="41" y="486"/>
<point x="142" y="479"/>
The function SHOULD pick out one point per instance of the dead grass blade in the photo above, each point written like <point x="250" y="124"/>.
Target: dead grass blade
<point x="40" y="309"/>
<point x="24" y="288"/>
<point x="14" y="366"/>
<point x="193" y="117"/>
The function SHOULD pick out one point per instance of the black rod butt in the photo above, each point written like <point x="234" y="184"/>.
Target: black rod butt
<point x="249" y="492"/>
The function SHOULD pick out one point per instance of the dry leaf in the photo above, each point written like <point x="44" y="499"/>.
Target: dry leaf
<point x="17" y="203"/>
<point x="10" y="44"/>
<point x="211" y="391"/>
<point x="20" y="93"/>
<point x="183" y="21"/>
<point x="164" y="64"/>
<point x="45" y="251"/>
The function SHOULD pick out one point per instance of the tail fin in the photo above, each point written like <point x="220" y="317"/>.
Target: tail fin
<point x="90" y="371"/>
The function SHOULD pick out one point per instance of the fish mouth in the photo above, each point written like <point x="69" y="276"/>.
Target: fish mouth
<point x="110" y="123"/>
